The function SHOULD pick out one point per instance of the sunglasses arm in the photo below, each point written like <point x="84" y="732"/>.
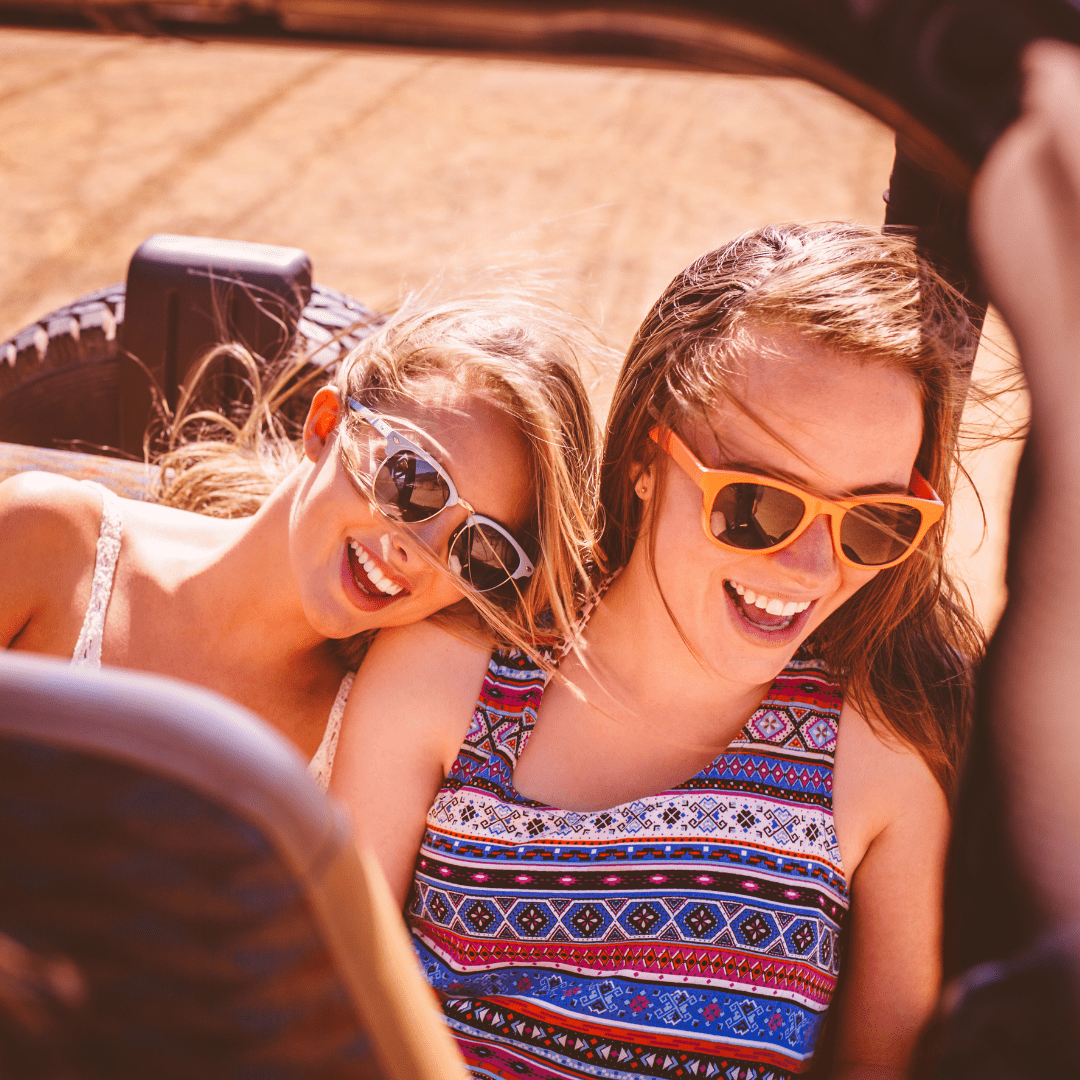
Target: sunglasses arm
<point x="674" y="447"/>
<point x="921" y="489"/>
<point x="374" y="419"/>
<point x="395" y="441"/>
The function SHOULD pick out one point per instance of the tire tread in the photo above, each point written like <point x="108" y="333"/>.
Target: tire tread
<point x="42" y="361"/>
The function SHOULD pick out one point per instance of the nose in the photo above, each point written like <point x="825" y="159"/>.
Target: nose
<point x="434" y="533"/>
<point x="811" y="557"/>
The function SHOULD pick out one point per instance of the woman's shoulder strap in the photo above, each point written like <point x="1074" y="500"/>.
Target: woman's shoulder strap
<point x="504" y="714"/>
<point x="322" y="764"/>
<point x="511" y="676"/>
<point x="800" y="711"/>
<point x="586" y="607"/>
<point x="88" y="647"/>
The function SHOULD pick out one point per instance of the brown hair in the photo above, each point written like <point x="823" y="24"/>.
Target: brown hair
<point x="904" y="646"/>
<point x="521" y="355"/>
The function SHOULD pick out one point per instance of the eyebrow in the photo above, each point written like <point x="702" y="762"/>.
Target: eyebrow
<point x="885" y="488"/>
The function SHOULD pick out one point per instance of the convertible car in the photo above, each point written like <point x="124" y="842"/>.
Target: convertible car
<point x="177" y="899"/>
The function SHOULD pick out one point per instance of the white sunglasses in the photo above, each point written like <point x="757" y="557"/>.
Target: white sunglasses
<point x="411" y="486"/>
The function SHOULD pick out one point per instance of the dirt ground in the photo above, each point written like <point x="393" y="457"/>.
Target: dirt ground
<point x="389" y="167"/>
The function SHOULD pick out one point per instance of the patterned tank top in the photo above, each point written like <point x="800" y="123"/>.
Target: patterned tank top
<point x="689" y="934"/>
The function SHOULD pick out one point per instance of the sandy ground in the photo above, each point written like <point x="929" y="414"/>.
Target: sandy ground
<point x="390" y="167"/>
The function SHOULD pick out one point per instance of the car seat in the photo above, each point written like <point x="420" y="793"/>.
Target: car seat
<point x="172" y="847"/>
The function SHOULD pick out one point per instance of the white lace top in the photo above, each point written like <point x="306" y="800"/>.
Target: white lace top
<point x="322" y="764"/>
<point x="88" y="647"/>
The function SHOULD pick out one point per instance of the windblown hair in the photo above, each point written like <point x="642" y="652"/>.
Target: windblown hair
<point x="523" y="357"/>
<point x="905" y="645"/>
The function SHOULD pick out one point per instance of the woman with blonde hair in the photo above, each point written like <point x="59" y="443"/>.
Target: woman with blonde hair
<point x="658" y="862"/>
<point x="449" y="468"/>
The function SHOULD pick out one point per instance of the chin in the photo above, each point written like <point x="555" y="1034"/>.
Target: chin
<point x="754" y="661"/>
<point x="330" y="620"/>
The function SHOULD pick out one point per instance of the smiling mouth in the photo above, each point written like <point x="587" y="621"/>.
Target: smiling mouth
<point x="765" y="612"/>
<point x="368" y="575"/>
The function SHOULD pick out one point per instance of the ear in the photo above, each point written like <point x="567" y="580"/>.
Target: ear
<point x="321" y="420"/>
<point x="644" y="477"/>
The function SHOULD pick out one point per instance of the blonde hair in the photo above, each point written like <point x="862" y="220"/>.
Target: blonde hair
<point x="522" y="356"/>
<point x="903" y="647"/>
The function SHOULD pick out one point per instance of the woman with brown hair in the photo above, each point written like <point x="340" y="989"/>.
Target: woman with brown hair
<point x="651" y="863"/>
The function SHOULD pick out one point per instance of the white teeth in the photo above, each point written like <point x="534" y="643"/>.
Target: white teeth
<point x="770" y="604"/>
<point x="371" y="568"/>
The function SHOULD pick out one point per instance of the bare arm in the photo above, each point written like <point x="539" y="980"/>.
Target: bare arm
<point x="1026" y="230"/>
<point x="406" y="717"/>
<point x="892" y="959"/>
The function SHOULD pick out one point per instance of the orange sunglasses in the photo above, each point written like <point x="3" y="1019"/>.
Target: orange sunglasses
<point x="756" y="513"/>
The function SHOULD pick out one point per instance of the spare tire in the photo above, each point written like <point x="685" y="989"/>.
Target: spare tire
<point x="60" y="376"/>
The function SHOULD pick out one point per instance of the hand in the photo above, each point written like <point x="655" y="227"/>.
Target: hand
<point x="1025" y="228"/>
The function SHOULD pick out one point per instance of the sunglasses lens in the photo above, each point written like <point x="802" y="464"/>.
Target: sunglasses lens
<point x="754" y="516"/>
<point x="407" y="488"/>
<point x="879" y="533"/>
<point x="486" y="557"/>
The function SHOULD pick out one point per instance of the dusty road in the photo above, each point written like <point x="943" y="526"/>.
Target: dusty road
<point x="390" y="166"/>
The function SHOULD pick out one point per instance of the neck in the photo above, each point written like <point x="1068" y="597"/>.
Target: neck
<point x="635" y="655"/>
<point x="246" y="594"/>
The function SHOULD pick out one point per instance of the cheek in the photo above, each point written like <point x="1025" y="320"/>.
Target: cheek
<point x="851" y="581"/>
<point x="440" y="592"/>
<point x="683" y="553"/>
<point x="676" y="526"/>
<point x="444" y="593"/>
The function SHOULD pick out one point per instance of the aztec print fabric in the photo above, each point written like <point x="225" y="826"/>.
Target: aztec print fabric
<point x="689" y="934"/>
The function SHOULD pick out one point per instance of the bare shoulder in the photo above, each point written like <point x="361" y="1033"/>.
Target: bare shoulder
<point x="425" y="677"/>
<point x="48" y="520"/>
<point x="439" y="646"/>
<point x="881" y="784"/>
<point x="441" y="662"/>
<point x="48" y="535"/>
<point x="40" y="502"/>
<point x="875" y="750"/>
<point x="405" y="721"/>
